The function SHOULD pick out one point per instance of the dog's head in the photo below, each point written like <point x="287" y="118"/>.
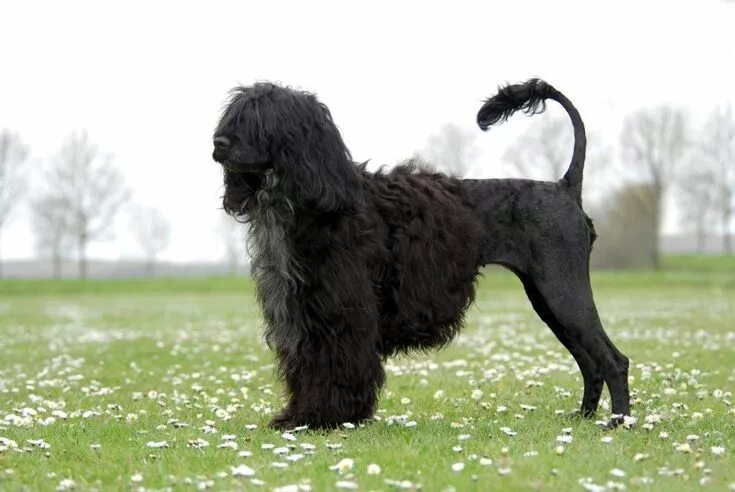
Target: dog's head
<point x="288" y="136"/>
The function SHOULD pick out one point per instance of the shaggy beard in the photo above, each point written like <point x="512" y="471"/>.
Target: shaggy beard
<point x="257" y="201"/>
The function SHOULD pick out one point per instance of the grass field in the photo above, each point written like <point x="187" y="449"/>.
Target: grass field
<point x="119" y="385"/>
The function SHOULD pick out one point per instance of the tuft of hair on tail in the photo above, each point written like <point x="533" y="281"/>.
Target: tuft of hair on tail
<point x="530" y="97"/>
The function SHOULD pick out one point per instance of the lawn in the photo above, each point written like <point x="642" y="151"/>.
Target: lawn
<point x="114" y="385"/>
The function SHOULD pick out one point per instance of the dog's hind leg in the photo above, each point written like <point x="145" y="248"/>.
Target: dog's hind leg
<point x="591" y="372"/>
<point x="559" y="289"/>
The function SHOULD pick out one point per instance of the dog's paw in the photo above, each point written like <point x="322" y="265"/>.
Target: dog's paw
<point x="617" y="420"/>
<point x="283" y="421"/>
<point x="282" y="424"/>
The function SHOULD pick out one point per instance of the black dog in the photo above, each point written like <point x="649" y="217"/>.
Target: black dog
<point x="353" y="266"/>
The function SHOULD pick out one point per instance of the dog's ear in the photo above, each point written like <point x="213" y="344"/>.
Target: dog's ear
<point x="316" y="164"/>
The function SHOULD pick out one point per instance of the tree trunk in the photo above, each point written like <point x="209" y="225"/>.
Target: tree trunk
<point x="700" y="237"/>
<point x="726" y="217"/>
<point x="56" y="265"/>
<point x="657" y="219"/>
<point x="83" y="257"/>
<point x="656" y="258"/>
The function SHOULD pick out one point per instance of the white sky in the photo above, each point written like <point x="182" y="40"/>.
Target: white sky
<point x="148" y="79"/>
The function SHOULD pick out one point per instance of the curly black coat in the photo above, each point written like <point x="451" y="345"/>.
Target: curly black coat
<point x="353" y="266"/>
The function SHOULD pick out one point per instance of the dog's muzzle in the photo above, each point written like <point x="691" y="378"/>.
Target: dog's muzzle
<point x="221" y="143"/>
<point x="221" y="148"/>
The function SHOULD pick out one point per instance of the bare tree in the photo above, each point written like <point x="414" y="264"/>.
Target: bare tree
<point x="13" y="155"/>
<point x="232" y="234"/>
<point x="52" y="230"/>
<point x="545" y="150"/>
<point x="153" y="232"/>
<point x="698" y="194"/>
<point x="627" y="228"/>
<point x="451" y="150"/>
<point x="718" y="144"/>
<point x="88" y="188"/>
<point x="654" y="142"/>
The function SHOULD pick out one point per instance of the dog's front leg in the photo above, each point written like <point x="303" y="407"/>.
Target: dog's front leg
<point x="333" y="372"/>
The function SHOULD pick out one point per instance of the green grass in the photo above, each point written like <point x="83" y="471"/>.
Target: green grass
<point x="700" y="263"/>
<point x="125" y="286"/>
<point x="123" y="359"/>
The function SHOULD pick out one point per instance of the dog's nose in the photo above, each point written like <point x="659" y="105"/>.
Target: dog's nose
<point x="221" y="143"/>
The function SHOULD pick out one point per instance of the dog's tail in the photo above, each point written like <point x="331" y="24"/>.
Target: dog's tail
<point x="530" y="98"/>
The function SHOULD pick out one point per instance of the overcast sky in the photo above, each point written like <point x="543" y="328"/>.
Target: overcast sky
<point x="148" y="79"/>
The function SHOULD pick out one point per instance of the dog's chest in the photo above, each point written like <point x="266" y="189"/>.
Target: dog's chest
<point x="273" y="267"/>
